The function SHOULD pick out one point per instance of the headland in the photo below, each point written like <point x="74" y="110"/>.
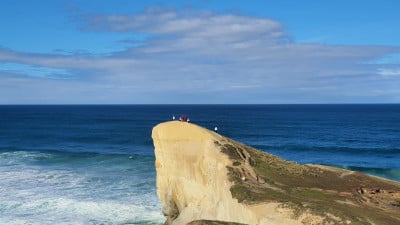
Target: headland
<point x="206" y="178"/>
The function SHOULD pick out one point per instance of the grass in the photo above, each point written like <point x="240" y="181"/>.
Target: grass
<point x="305" y="188"/>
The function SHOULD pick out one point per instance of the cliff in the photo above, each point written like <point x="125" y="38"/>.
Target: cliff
<point x="205" y="178"/>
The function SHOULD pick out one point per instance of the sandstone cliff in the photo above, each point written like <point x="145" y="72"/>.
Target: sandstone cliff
<point x="205" y="178"/>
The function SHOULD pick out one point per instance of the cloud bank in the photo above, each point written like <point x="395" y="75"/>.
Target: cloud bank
<point x="204" y="57"/>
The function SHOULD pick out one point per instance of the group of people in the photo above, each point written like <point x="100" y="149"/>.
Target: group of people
<point x="185" y="118"/>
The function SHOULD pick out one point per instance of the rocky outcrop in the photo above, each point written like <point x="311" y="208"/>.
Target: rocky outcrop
<point x="205" y="178"/>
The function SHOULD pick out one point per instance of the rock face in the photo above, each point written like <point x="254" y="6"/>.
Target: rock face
<point x="209" y="179"/>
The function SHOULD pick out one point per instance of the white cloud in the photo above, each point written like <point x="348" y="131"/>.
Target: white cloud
<point x="389" y="72"/>
<point x="34" y="71"/>
<point x="201" y="53"/>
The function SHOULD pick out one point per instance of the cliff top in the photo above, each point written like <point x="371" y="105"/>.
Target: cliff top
<point x="337" y="195"/>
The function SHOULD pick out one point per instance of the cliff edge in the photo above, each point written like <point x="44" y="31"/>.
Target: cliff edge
<point x="205" y="178"/>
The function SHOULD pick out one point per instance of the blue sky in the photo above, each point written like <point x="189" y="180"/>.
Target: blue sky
<point x="204" y="51"/>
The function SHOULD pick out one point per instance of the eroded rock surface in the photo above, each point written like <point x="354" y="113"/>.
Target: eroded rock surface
<point x="205" y="178"/>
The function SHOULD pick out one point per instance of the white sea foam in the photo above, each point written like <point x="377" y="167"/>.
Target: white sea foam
<point x="31" y="193"/>
<point x="71" y="211"/>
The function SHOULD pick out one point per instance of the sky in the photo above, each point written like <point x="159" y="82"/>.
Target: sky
<point x="199" y="52"/>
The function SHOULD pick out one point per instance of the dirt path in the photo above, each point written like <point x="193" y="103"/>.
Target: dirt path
<point x="249" y="172"/>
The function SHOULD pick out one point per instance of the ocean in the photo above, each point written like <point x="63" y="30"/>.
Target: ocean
<point x="94" y="164"/>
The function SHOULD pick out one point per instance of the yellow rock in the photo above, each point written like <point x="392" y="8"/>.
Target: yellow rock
<point x="192" y="181"/>
<point x="200" y="178"/>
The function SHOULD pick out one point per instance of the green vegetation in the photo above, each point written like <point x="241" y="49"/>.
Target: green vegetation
<point x="321" y="191"/>
<point x="237" y="163"/>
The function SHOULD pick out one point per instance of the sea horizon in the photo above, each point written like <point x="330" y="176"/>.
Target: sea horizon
<point x="191" y="104"/>
<point x="94" y="164"/>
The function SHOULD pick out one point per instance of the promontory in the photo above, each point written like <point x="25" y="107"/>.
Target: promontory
<point x="206" y="178"/>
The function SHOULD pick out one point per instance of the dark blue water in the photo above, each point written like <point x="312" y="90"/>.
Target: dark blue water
<point x="95" y="164"/>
